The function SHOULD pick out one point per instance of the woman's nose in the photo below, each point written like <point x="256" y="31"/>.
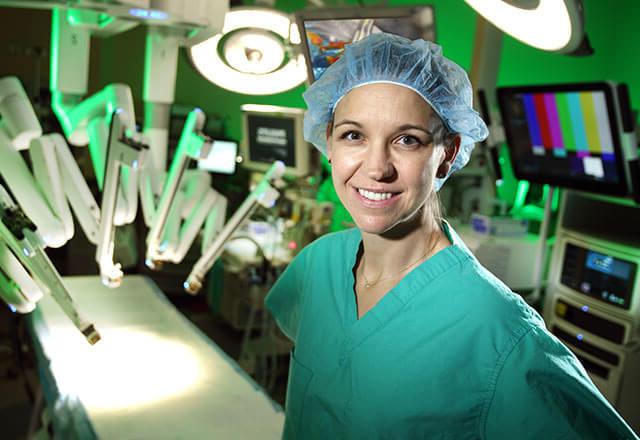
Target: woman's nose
<point x="378" y="164"/>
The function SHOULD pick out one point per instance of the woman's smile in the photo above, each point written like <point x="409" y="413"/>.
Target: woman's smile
<point x="377" y="198"/>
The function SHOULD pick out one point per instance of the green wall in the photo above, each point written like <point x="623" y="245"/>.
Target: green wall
<point x="611" y="31"/>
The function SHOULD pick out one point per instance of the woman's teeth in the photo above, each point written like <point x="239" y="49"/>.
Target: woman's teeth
<point x="374" y="195"/>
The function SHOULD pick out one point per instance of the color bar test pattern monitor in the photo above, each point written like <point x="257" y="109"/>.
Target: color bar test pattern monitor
<point x="566" y="135"/>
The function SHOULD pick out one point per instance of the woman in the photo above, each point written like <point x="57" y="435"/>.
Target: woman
<point x="398" y="331"/>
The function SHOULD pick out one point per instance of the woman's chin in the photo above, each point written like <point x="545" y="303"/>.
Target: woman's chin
<point x="374" y="225"/>
<point x="389" y="227"/>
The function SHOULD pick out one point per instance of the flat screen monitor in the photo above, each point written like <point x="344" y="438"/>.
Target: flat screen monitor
<point x="601" y="276"/>
<point x="567" y="135"/>
<point x="273" y="133"/>
<point x="221" y="158"/>
<point x="326" y="31"/>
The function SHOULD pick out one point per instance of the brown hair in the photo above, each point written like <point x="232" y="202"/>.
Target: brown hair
<point x="441" y="136"/>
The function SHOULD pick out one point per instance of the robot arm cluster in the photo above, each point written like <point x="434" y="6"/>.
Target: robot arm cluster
<point x="186" y="194"/>
<point x="106" y="122"/>
<point x="54" y="188"/>
<point x="25" y="270"/>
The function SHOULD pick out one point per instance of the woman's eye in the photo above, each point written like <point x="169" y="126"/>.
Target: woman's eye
<point x="409" y="141"/>
<point x="351" y="136"/>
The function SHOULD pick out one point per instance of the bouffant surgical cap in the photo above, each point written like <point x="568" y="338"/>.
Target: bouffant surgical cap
<point x="418" y="65"/>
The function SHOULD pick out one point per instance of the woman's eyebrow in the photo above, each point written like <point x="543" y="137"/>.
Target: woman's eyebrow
<point x="414" y="127"/>
<point x="347" y="122"/>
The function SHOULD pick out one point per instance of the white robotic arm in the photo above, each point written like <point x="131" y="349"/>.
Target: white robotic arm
<point x="85" y="120"/>
<point x="197" y="203"/>
<point x="264" y="194"/>
<point x="26" y="269"/>
<point x="56" y="176"/>
<point x="168" y="238"/>
<point x="123" y="153"/>
<point x="193" y="21"/>
<point x="199" y="19"/>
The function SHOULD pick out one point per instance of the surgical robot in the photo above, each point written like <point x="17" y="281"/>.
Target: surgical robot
<point x="41" y="217"/>
<point x="176" y="205"/>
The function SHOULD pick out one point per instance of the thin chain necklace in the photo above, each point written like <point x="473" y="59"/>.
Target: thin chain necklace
<point x="368" y="284"/>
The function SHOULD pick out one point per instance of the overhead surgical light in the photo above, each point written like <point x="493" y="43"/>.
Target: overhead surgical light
<point x="254" y="53"/>
<point x="551" y="25"/>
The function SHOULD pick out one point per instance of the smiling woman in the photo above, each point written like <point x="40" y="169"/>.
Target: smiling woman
<point x="385" y="162"/>
<point x="399" y="332"/>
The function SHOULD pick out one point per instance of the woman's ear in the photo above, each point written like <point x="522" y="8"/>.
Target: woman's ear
<point x="450" y="154"/>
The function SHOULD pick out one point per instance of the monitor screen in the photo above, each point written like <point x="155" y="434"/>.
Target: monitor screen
<point x="271" y="138"/>
<point x="221" y="158"/>
<point x="565" y="135"/>
<point x="328" y="31"/>
<point x="273" y="133"/>
<point x="600" y="276"/>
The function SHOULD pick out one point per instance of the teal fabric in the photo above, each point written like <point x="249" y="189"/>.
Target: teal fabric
<point x="449" y="353"/>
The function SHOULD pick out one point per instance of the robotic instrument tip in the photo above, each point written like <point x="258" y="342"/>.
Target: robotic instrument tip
<point x="192" y="285"/>
<point x="111" y="281"/>
<point x="91" y="334"/>
<point x="153" y="264"/>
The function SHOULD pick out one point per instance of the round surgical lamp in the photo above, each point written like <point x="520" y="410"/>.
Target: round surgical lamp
<point x="254" y="53"/>
<point x="551" y="25"/>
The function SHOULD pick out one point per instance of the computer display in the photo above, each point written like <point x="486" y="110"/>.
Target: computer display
<point x="273" y="133"/>
<point x="325" y="32"/>
<point x="565" y="135"/>
<point x="600" y="276"/>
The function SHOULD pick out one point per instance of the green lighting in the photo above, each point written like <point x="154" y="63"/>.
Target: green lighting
<point x="545" y="193"/>
<point x="521" y="194"/>
<point x="55" y="44"/>
<point x="555" y="203"/>
<point x="79" y="17"/>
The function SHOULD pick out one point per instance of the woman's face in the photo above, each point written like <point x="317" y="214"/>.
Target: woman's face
<point x="382" y="155"/>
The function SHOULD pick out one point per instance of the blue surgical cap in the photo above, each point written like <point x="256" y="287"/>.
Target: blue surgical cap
<point x="418" y="65"/>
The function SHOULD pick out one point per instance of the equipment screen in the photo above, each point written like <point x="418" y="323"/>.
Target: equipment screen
<point x="221" y="158"/>
<point x="271" y="138"/>
<point x="564" y="135"/>
<point x="598" y="275"/>
<point x="327" y="32"/>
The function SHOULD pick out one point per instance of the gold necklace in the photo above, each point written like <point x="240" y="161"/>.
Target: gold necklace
<point x="368" y="284"/>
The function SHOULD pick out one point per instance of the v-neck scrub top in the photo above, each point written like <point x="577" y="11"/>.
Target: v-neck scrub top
<point x="449" y="353"/>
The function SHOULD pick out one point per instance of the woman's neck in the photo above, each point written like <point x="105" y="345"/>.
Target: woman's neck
<point x="389" y="253"/>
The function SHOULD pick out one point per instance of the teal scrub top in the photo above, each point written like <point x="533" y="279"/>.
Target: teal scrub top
<point x="449" y="353"/>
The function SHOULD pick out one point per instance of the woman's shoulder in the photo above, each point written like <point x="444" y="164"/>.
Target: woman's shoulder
<point x="487" y="293"/>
